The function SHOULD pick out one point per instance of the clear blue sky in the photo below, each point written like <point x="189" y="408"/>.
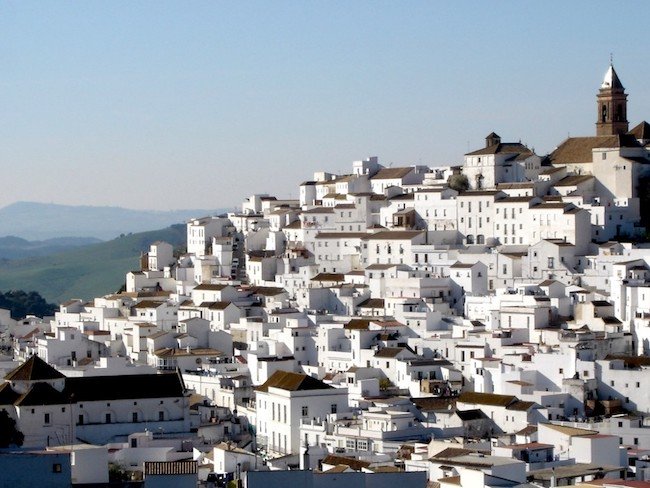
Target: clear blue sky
<point x="197" y="104"/>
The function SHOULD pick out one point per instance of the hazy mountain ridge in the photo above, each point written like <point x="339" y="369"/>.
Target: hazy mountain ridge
<point x="43" y="221"/>
<point x="12" y="247"/>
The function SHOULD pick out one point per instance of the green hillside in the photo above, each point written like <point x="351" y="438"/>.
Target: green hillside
<point x="86" y="272"/>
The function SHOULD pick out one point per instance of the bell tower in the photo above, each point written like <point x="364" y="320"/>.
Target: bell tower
<point x="612" y="106"/>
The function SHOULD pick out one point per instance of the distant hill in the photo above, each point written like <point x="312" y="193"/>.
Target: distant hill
<point x="12" y="247"/>
<point x="41" y="221"/>
<point x="84" y="272"/>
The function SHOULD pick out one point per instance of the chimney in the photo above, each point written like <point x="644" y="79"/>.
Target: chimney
<point x="144" y="261"/>
<point x="304" y="459"/>
<point x="553" y="478"/>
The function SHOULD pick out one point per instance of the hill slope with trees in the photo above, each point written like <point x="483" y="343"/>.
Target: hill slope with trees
<point x="85" y="272"/>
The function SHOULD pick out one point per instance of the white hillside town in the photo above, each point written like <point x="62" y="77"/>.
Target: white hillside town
<point x="479" y="325"/>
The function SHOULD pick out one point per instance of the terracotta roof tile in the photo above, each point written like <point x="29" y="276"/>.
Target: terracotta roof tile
<point x="486" y="399"/>
<point x="34" y="369"/>
<point x="353" y="463"/>
<point x="503" y="148"/>
<point x="391" y="173"/>
<point x="641" y="131"/>
<point x="286" y="380"/>
<point x="578" y="149"/>
<point x="42" y="394"/>
<point x="394" y="235"/>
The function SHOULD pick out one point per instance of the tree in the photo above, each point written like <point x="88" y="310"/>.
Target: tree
<point x="458" y="182"/>
<point x="22" y="303"/>
<point x="116" y="473"/>
<point x="9" y="434"/>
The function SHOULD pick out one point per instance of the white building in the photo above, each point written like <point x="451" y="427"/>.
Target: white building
<point x="285" y="400"/>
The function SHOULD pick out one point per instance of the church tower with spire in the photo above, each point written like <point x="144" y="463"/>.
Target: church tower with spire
<point x="612" y="106"/>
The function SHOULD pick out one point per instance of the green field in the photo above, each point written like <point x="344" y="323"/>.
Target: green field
<point x="85" y="272"/>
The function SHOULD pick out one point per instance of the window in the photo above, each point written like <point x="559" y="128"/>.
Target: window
<point x="46" y="419"/>
<point x="56" y="468"/>
<point x="362" y="445"/>
<point x="333" y="408"/>
<point x="134" y="417"/>
<point x="349" y="444"/>
<point x="161" y="415"/>
<point x="107" y="418"/>
<point x="81" y="419"/>
<point x="305" y="411"/>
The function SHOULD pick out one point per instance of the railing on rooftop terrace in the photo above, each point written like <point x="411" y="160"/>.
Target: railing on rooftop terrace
<point x="248" y="404"/>
<point x="315" y="422"/>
